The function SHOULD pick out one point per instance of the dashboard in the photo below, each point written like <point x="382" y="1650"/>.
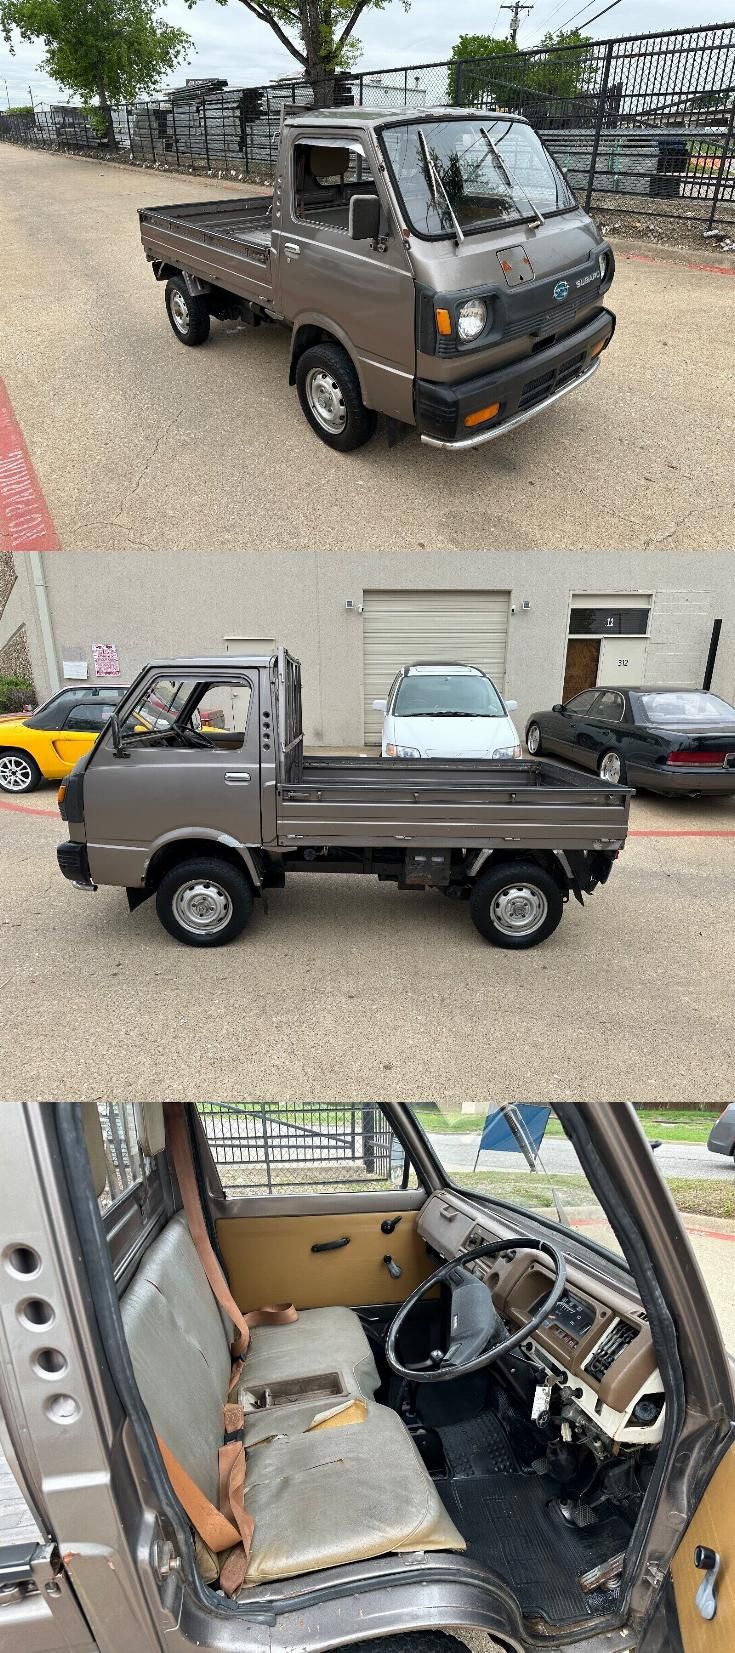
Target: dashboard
<point x="597" y="1342"/>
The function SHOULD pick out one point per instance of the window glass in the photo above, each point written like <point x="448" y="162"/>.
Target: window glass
<point x="582" y="702"/>
<point x="282" y="1148"/>
<point x="609" y="706"/>
<point x="677" y="706"/>
<point x="489" y="172"/>
<point x="325" y="176"/>
<point x="447" y="694"/>
<point x="188" y="710"/>
<point x="125" y="1164"/>
<point x="90" y="715"/>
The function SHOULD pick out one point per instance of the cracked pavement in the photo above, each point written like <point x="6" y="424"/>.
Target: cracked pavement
<point x="140" y="443"/>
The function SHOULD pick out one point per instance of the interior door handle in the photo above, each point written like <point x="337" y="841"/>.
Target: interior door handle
<point x="331" y="1245"/>
<point x="237" y="777"/>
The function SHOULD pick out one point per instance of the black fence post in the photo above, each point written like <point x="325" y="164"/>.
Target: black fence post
<point x="206" y="133"/>
<point x="723" y="166"/>
<point x="150" y="132"/>
<point x="174" y="132"/>
<point x="368" y="1138"/>
<point x="599" y="124"/>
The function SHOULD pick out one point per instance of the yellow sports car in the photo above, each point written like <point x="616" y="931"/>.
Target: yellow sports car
<point x="46" y="744"/>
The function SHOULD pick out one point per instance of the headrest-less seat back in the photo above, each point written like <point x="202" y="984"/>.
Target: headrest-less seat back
<point x="179" y="1352"/>
<point x="328" y="163"/>
<point x="150" y="1128"/>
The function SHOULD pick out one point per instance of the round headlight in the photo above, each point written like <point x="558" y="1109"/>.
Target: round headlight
<point x="471" y="318"/>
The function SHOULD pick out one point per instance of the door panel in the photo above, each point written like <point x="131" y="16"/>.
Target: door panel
<point x="712" y="1525"/>
<point x="270" y="1260"/>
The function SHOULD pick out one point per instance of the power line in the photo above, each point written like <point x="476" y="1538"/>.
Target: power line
<point x="515" y="10"/>
<point x="575" y="15"/>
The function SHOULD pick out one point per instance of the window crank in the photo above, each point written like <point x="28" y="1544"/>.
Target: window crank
<point x="394" y="1269"/>
<point x="707" y="1561"/>
<point x="389" y="1225"/>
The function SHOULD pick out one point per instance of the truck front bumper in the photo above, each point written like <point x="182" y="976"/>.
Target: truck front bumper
<point x="73" y="862"/>
<point x="523" y="390"/>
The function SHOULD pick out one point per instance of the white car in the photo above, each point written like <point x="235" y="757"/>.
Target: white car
<point x="447" y="711"/>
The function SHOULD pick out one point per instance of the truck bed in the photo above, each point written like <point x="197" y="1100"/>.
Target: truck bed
<point x="456" y="803"/>
<point x="226" y="242"/>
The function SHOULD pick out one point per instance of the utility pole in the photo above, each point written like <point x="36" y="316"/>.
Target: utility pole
<point x="33" y="106"/>
<point x="515" y="17"/>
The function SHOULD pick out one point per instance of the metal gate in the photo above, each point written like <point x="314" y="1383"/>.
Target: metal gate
<point x="469" y="628"/>
<point x="281" y="1147"/>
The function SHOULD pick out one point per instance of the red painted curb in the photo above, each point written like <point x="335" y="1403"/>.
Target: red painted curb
<point x="676" y="264"/>
<point x="25" y="520"/>
<point x="26" y="809"/>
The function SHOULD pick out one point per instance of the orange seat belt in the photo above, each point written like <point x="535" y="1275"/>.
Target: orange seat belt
<point x="276" y="1314"/>
<point x="228" y="1527"/>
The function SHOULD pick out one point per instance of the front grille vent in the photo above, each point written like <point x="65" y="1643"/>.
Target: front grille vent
<point x="619" y="1337"/>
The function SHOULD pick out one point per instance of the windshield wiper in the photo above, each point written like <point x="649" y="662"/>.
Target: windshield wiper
<point x="513" y="183"/>
<point x="437" y="181"/>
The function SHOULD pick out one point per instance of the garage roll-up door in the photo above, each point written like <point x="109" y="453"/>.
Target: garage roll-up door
<point x="402" y="627"/>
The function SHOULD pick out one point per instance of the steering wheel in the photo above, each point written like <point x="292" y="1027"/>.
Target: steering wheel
<point x="476" y="1329"/>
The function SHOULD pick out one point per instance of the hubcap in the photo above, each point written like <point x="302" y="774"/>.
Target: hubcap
<point x="610" y="767"/>
<point x="326" y="400"/>
<point x="202" y="907"/>
<point x="180" y="311"/>
<point x="518" y="909"/>
<point x="15" y="773"/>
<point x="533" y="739"/>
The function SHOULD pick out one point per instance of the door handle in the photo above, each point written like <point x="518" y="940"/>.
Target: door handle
<point x="331" y="1245"/>
<point x="237" y="777"/>
<point x="292" y="249"/>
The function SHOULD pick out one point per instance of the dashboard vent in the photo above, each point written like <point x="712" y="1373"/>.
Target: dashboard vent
<point x="619" y="1337"/>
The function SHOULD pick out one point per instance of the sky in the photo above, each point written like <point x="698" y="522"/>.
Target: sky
<point x="229" y="42"/>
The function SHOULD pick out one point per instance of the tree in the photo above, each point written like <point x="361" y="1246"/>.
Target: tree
<point x="470" y="81"/>
<point x="112" y="50"/>
<point x="319" y="34"/>
<point x="553" y="71"/>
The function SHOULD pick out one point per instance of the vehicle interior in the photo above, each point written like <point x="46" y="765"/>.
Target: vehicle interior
<point x="326" y="176"/>
<point x="414" y="1369"/>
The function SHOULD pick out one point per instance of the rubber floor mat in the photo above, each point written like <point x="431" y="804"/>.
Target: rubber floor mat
<point x="507" y="1525"/>
<point x="477" y="1446"/>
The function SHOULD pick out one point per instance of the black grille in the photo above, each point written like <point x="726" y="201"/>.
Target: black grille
<point x="537" y="390"/>
<point x="618" y="1338"/>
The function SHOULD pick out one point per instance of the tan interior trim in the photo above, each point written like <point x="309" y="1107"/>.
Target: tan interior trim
<point x="272" y="1257"/>
<point x="712" y="1525"/>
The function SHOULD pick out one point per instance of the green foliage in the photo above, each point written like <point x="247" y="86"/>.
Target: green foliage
<point x="112" y="50"/>
<point x="19" y="109"/>
<point x="16" y="692"/>
<point x="504" y="74"/>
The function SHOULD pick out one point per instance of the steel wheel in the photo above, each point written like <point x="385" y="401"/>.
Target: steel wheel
<point x="202" y="907"/>
<point x="180" y="311"/>
<point x="518" y="909"/>
<point x="326" y="400"/>
<point x="611" y="768"/>
<point x="17" y="774"/>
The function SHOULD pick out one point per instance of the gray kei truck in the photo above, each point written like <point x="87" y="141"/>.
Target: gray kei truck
<point x="199" y="793"/>
<point x="471" y="1420"/>
<point x="436" y="269"/>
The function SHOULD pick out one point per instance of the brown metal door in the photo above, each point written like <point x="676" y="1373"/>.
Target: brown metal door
<point x="583" y="660"/>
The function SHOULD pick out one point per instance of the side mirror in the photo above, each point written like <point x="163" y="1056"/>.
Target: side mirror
<point x="364" y="219"/>
<point x="511" y="705"/>
<point x="557" y="708"/>
<point x="380" y="706"/>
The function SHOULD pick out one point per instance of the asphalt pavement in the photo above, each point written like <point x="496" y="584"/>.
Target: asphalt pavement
<point x="347" y="989"/>
<point x="458" y="1151"/>
<point x="138" y="442"/>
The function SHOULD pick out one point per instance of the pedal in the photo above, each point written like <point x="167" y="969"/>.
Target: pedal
<point x="605" y="1577"/>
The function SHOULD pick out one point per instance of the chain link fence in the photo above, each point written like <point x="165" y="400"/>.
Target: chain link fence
<point x="649" y="116"/>
<point x="279" y="1148"/>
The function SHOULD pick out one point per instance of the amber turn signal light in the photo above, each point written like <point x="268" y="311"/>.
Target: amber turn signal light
<point x="483" y="414"/>
<point x="596" y="348"/>
<point x="61" y="794"/>
<point x="443" y="323"/>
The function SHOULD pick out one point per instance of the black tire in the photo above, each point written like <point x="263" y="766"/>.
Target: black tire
<point x="19" y="772"/>
<point x="623" y="776"/>
<point x="539" y="748"/>
<point x="412" y="1641"/>
<point x="546" y="898"/>
<point x="187" y="312"/>
<point x="221" y="885"/>
<point x="359" y="422"/>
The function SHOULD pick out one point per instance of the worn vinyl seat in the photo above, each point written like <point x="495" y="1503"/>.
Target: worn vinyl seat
<point x="363" y="1484"/>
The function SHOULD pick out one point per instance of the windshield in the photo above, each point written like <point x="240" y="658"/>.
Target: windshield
<point x="485" y="172"/>
<point x="686" y="706"/>
<point x="450" y="694"/>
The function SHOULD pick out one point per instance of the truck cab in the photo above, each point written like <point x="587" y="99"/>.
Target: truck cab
<point x="274" y="1378"/>
<point x="433" y="268"/>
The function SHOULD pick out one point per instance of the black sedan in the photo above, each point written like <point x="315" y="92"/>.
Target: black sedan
<point x="679" y="741"/>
